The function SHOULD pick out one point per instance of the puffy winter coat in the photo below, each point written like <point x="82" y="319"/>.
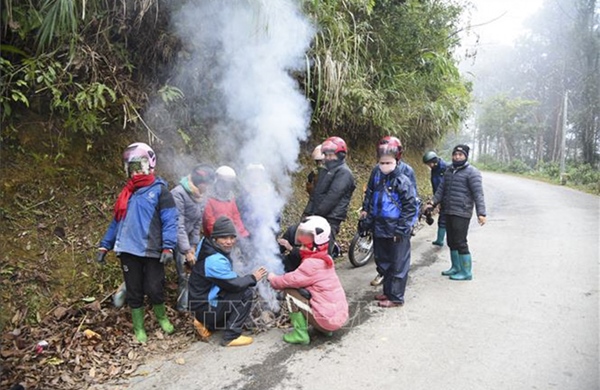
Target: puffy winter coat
<point x="149" y="226"/>
<point x="462" y="188"/>
<point x="215" y="208"/>
<point x="332" y="193"/>
<point x="212" y="276"/>
<point x="190" y="218"/>
<point x="328" y="299"/>
<point x="391" y="204"/>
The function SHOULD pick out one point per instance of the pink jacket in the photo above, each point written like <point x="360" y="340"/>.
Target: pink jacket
<point x="328" y="301"/>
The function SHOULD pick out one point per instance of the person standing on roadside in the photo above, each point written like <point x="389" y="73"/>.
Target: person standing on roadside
<point x="389" y="211"/>
<point x="143" y="233"/>
<point x="331" y="196"/>
<point x="404" y="169"/>
<point x="437" y="167"/>
<point x="461" y="190"/>
<point x="189" y="196"/>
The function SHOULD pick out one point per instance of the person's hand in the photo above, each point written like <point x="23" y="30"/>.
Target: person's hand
<point x="363" y="228"/>
<point x="428" y="207"/>
<point x="101" y="256"/>
<point x="481" y="219"/>
<point x="285" y="243"/>
<point x="270" y="276"/>
<point x="190" y="258"/>
<point x="363" y="215"/>
<point x="166" y="256"/>
<point x="259" y="273"/>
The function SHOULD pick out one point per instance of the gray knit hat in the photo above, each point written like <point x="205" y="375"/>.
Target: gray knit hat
<point x="223" y="227"/>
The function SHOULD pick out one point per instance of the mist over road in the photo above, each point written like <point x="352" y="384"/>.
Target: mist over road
<point x="527" y="320"/>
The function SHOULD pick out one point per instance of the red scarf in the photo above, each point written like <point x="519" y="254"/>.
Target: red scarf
<point x="322" y="255"/>
<point x="137" y="181"/>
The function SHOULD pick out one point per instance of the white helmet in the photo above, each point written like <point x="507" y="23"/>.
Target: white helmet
<point x="141" y="154"/>
<point x="317" y="154"/>
<point x="225" y="173"/>
<point x="316" y="226"/>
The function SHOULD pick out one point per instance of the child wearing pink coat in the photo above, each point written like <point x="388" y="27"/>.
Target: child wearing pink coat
<point x="325" y="306"/>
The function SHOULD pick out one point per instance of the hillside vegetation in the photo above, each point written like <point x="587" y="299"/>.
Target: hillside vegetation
<point x="81" y="80"/>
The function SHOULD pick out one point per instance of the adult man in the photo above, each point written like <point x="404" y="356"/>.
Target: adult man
<point x="462" y="188"/>
<point x="390" y="211"/>
<point x="331" y="196"/>
<point x="403" y="169"/>
<point x="437" y="167"/>
<point x="219" y="298"/>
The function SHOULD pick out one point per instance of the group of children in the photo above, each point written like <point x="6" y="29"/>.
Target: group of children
<point x="199" y="223"/>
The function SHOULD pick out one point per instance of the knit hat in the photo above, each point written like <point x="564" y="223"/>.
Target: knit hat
<point x="464" y="149"/>
<point x="223" y="227"/>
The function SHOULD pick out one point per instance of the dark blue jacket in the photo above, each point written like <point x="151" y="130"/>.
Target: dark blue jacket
<point x="213" y="276"/>
<point x="462" y="188"/>
<point x="391" y="204"/>
<point x="409" y="172"/>
<point x="149" y="226"/>
<point x="437" y="174"/>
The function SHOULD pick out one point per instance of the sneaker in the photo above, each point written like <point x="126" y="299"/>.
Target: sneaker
<point x="239" y="342"/>
<point x="377" y="281"/>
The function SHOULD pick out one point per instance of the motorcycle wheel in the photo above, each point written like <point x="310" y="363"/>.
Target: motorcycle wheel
<point x="360" y="251"/>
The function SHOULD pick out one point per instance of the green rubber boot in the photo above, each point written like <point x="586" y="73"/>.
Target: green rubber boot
<point x="161" y="317"/>
<point x="440" y="237"/>
<point x="137" y="317"/>
<point x="466" y="264"/>
<point x="455" y="264"/>
<point x="300" y="333"/>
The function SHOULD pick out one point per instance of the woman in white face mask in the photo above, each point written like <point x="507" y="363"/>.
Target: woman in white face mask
<point x="390" y="209"/>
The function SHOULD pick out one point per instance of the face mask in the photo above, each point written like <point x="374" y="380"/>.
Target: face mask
<point x="457" y="164"/>
<point x="330" y="164"/>
<point x="387" y="168"/>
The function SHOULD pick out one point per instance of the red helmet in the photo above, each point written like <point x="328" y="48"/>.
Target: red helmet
<point x="390" y="146"/>
<point x="334" y="145"/>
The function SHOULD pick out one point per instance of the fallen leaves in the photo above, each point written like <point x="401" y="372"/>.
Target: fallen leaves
<point x="86" y="346"/>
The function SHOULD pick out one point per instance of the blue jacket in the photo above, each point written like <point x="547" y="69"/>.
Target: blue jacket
<point x="212" y="277"/>
<point x="409" y="172"/>
<point x="391" y="204"/>
<point x="149" y="226"/>
<point x="437" y="174"/>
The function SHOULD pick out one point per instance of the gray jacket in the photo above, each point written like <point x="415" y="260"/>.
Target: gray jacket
<point x="462" y="188"/>
<point x="190" y="219"/>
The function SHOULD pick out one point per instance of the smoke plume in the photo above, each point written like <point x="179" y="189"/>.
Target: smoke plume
<point x="241" y="58"/>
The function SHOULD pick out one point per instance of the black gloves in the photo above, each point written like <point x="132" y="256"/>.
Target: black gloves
<point x="101" y="256"/>
<point x="363" y="227"/>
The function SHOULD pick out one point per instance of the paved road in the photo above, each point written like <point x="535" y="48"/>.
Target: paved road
<point x="528" y="319"/>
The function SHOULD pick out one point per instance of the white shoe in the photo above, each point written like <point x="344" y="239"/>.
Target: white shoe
<point x="377" y="281"/>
